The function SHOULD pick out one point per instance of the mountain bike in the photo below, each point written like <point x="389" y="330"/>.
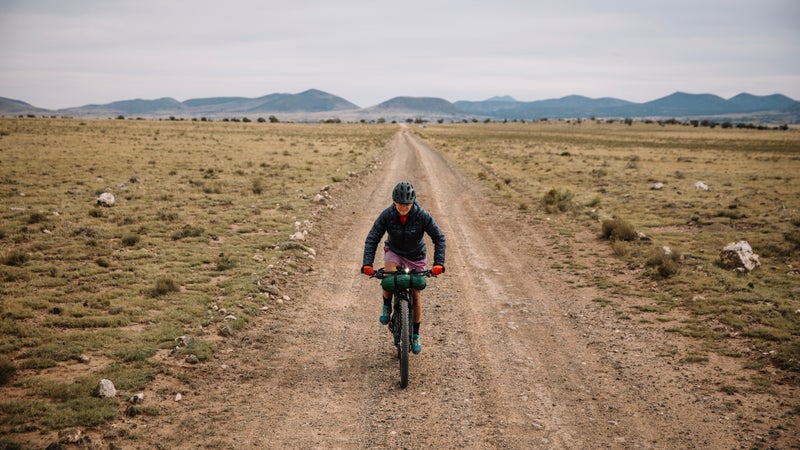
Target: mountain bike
<point x="400" y="283"/>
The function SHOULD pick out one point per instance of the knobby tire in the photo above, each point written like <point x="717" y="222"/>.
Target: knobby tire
<point x="405" y="339"/>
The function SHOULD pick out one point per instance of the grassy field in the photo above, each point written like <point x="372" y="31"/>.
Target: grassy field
<point x="200" y="231"/>
<point x="602" y="174"/>
<point x="203" y="214"/>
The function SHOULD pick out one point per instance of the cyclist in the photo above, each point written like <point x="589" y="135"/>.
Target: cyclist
<point x="406" y="222"/>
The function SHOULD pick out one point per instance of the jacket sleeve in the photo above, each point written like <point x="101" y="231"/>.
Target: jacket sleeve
<point x="373" y="239"/>
<point x="439" y="244"/>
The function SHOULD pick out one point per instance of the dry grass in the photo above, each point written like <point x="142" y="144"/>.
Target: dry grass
<point x="609" y="171"/>
<point x="194" y="201"/>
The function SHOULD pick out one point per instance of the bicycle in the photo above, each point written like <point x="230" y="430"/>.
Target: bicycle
<point x="400" y="283"/>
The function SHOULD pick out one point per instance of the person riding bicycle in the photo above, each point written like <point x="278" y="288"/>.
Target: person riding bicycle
<point x="406" y="222"/>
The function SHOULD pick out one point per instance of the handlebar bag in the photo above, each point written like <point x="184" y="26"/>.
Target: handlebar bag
<point x="401" y="281"/>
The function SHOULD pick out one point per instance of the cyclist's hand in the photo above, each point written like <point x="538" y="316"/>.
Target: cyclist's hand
<point x="437" y="269"/>
<point x="367" y="270"/>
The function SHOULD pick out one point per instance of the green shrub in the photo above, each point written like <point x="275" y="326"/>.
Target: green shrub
<point x="15" y="258"/>
<point x="258" y="186"/>
<point x="187" y="231"/>
<point x="556" y="200"/>
<point x="666" y="264"/>
<point x="620" y="248"/>
<point x="36" y="217"/>
<point x="618" y="230"/>
<point x="6" y="371"/>
<point x="130" y="239"/>
<point x="165" y="285"/>
<point x="202" y="350"/>
<point x="225" y="262"/>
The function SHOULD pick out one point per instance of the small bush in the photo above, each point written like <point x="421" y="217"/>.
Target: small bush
<point x="36" y="217"/>
<point x="666" y="264"/>
<point x="165" y="215"/>
<point x="225" y="262"/>
<point x="6" y="371"/>
<point x="618" y="230"/>
<point x="556" y="200"/>
<point x="202" y="350"/>
<point x="620" y="248"/>
<point x="130" y="239"/>
<point x="258" y="186"/>
<point x="15" y="258"/>
<point x="165" y="285"/>
<point x="187" y="231"/>
<point x="594" y="202"/>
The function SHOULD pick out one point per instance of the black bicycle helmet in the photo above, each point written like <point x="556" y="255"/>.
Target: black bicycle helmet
<point x="404" y="193"/>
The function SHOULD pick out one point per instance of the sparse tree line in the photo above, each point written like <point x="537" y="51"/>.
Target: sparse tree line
<point x="419" y="120"/>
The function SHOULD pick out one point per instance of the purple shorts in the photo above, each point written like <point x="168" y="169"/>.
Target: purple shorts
<point x="390" y="256"/>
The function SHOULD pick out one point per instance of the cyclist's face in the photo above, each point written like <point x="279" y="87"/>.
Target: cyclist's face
<point x="402" y="208"/>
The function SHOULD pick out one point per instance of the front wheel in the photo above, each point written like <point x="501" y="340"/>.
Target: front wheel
<point x="404" y="343"/>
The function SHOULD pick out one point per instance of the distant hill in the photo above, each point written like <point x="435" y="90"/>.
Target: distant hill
<point x="416" y="106"/>
<point x="11" y="107"/>
<point x="314" y="105"/>
<point x="309" y="101"/>
<point x="678" y="104"/>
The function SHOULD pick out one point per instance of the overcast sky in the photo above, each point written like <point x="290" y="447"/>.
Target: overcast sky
<point x="58" y="53"/>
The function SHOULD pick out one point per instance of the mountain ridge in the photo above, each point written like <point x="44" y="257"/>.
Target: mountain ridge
<point x="314" y="104"/>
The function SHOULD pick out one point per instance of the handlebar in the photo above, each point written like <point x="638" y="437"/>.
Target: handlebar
<point x="382" y="273"/>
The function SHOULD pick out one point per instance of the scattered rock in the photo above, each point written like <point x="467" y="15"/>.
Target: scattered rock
<point x="739" y="255"/>
<point x="105" y="389"/>
<point x="84" y="359"/>
<point x="225" y="331"/>
<point x="269" y="289"/>
<point x="178" y="397"/>
<point x="134" y="179"/>
<point x="299" y="236"/>
<point x="192" y="359"/>
<point x="70" y="436"/>
<point x="137" y="399"/>
<point x="131" y="411"/>
<point x="702" y="186"/>
<point x="319" y="198"/>
<point x="106" y="199"/>
<point x="184" y="340"/>
<point x="657" y="187"/>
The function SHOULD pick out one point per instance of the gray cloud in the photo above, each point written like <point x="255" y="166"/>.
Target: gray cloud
<point x="58" y="54"/>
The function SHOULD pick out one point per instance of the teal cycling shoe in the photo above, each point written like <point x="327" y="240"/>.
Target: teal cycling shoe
<point x="387" y="311"/>
<point x="416" y="345"/>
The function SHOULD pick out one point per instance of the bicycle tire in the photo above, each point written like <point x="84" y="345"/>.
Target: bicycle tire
<point x="405" y="339"/>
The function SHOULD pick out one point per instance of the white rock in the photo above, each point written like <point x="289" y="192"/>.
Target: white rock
<point x="105" y="389"/>
<point x="739" y="255"/>
<point x="702" y="186"/>
<point x="106" y="199"/>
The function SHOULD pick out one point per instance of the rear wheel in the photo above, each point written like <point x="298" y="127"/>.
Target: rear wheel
<point x="404" y="343"/>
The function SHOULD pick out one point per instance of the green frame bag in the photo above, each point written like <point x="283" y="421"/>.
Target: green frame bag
<point x="402" y="281"/>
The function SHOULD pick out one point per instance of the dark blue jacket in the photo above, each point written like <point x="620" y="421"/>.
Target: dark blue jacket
<point x="405" y="240"/>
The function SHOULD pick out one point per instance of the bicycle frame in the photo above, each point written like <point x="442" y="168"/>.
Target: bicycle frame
<point x="402" y="320"/>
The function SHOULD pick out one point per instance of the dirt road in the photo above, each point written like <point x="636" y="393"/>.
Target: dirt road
<point x="516" y="354"/>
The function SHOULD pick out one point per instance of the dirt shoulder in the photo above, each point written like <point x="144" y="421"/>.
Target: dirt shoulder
<point x="517" y="352"/>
